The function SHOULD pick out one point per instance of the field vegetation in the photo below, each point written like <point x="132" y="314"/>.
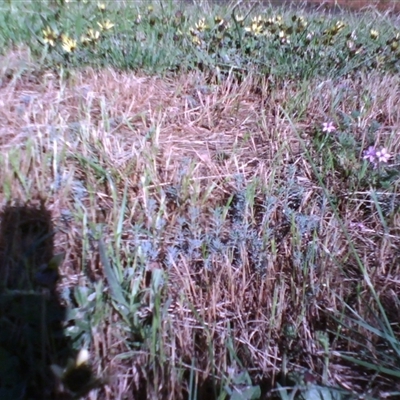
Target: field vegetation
<point x="199" y="202"/>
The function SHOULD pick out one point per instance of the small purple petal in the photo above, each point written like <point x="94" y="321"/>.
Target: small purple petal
<point x="370" y="154"/>
<point x="328" y="127"/>
<point x="383" y="155"/>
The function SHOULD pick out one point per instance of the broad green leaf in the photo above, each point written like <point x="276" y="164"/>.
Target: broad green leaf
<point x="321" y="393"/>
<point x="115" y="287"/>
<point x="249" y="393"/>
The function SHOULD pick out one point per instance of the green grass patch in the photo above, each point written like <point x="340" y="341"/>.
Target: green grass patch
<point x="158" y="38"/>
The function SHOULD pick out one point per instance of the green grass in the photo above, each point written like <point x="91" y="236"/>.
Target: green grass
<point x="219" y="243"/>
<point x="160" y="38"/>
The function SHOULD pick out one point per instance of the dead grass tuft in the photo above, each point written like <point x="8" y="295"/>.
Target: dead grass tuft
<point x="221" y="181"/>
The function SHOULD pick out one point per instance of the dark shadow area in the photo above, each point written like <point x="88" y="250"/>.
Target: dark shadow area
<point x="31" y="315"/>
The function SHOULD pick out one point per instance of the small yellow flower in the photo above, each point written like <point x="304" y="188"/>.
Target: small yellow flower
<point x="92" y="36"/>
<point x="257" y="26"/>
<point x="239" y="18"/>
<point x="340" y="25"/>
<point x="302" y="20"/>
<point x="257" y="29"/>
<point x="196" y="41"/>
<point x="101" y="6"/>
<point x="258" y="20"/>
<point x="106" y="25"/>
<point x="334" y="30"/>
<point x="221" y="23"/>
<point x="394" y="42"/>
<point x="374" y="34"/>
<point x="49" y="36"/>
<point x="269" y="21"/>
<point x="68" y="44"/>
<point x="283" y="37"/>
<point x="301" y="24"/>
<point x="201" y="25"/>
<point x="150" y="9"/>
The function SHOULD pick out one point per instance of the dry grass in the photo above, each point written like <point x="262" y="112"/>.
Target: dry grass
<point x="227" y="159"/>
<point x="382" y="5"/>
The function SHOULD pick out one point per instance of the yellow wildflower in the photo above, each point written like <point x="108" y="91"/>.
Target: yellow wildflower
<point x="257" y="26"/>
<point x="374" y="34"/>
<point x="101" y="6"/>
<point x="201" y="25"/>
<point x="340" y="25"/>
<point x="49" y="36"/>
<point x="106" y="25"/>
<point x="196" y="41"/>
<point x="240" y="19"/>
<point x="334" y="30"/>
<point x="301" y="24"/>
<point x="283" y="37"/>
<point x="91" y="36"/>
<point x="68" y="44"/>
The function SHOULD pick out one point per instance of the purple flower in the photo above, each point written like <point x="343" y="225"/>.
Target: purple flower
<point x="328" y="127"/>
<point x="370" y="154"/>
<point x="382" y="155"/>
<point x="376" y="157"/>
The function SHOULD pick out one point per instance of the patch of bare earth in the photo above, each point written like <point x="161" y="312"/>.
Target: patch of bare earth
<point x="158" y="136"/>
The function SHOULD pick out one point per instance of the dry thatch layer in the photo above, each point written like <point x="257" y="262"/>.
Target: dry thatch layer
<point x="153" y="135"/>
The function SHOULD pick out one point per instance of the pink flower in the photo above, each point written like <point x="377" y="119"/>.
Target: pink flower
<point x="382" y="155"/>
<point x="328" y="127"/>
